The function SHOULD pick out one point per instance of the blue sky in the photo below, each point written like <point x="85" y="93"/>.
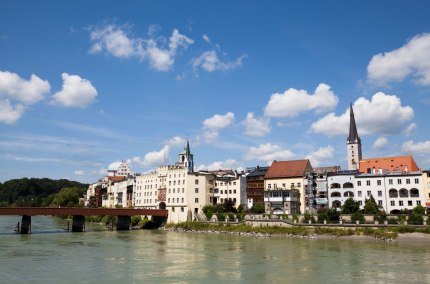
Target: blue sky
<point x="86" y="84"/>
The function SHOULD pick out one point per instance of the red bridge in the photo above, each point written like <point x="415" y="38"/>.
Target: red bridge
<point x="78" y="223"/>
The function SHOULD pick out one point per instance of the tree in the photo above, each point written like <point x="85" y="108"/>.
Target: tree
<point x="257" y="208"/>
<point x="229" y="206"/>
<point x="350" y="206"/>
<point x="68" y="197"/>
<point x="419" y="210"/>
<point x="370" y="206"/>
<point x="331" y="215"/>
<point x="357" y="216"/>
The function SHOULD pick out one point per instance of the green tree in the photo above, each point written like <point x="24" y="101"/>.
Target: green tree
<point x="357" y="216"/>
<point x="419" y="210"/>
<point x="68" y="197"/>
<point x="331" y="215"/>
<point x="350" y="206"/>
<point x="370" y="206"/>
<point x="257" y="208"/>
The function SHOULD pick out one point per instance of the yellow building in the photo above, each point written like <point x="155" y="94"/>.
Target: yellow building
<point x="286" y="187"/>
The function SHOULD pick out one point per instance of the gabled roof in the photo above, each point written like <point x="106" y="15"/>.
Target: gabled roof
<point x="286" y="169"/>
<point x="389" y="164"/>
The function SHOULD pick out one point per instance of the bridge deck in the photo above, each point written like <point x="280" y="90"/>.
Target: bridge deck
<point x="53" y="211"/>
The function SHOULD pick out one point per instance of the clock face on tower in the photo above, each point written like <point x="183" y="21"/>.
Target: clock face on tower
<point x="353" y="161"/>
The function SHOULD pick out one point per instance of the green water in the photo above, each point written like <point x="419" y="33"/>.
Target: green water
<point x="52" y="255"/>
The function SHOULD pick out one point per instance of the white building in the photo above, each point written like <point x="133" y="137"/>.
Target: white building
<point x="341" y="186"/>
<point x="229" y="185"/>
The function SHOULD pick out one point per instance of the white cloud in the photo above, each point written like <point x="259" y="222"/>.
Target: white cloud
<point x="224" y="165"/>
<point x="268" y="152"/>
<point x="76" y="92"/>
<point x="255" y="126"/>
<point x="117" y="42"/>
<point x="114" y="165"/>
<point x="176" y="141"/>
<point x="383" y="114"/>
<point x="208" y="136"/>
<point x="323" y="154"/>
<point x="219" y="121"/>
<point x="206" y="38"/>
<point x="410" y="129"/>
<point x="409" y="60"/>
<point x="9" y="114"/>
<point x="79" y="173"/>
<point x="13" y="87"/>
<point x="154" y="158"/>
<point x="419" y="147"/>
<point x="292" y="102"/>
<point x="380" y="143"/>
<point x="210" y="62"/>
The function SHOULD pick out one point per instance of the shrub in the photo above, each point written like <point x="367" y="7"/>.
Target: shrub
<point x="392" y="221"/>
<point x="296" y="218"/>
<point x="419" y="210"/>
<point x="350" y="206"/>
<point x="257" y="208"/>
<point x="415" y="219"/>
<point x="357" y="216"/>
<point x="308" y="217"/>
<point x="135" y="220"/>
<point x="331" y="215"/>
<point x="208" y="210"/>
<point x="370" y="206"/>
<point x="381" y="216"/>
<point x="221" y="216"/>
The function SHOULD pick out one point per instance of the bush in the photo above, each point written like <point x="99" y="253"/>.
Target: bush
<point x="381" y="216"/>
<point x="208" y="210"/>
<point x="257" y="208"/>
<point x="392" y="221"/>
<point x="308" y="217"/>
<point x="221" y="216"/>
<point x="357" y="216"/>
<point x="415" y="219"/>
<point x="370" y="206"/>
<point x="350" y="206"/>
<point x="135" y="220"/>
<point x="296" y="218"/>
<point x="331" y="215"/>
<point x="419" y="210"/>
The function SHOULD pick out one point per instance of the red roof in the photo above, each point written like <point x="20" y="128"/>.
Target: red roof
<point x="116" y="178"/>
<point x="390" y="164"/>
<point x="285" y="169"/>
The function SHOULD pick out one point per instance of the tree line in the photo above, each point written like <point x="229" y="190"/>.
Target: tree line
<point x="41" y="192"/>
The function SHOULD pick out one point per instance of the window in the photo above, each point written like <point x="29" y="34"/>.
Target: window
<point x="292" y="184"/>
<point x="390" y="181"/>
<point x="177" y="200"/>
<point x="299" y="184"/>
<point x="379" y="193"/>
<point x="360" y="202"/>
<point x="417" y="180"/>
<point x="173" y="190"/>
<point x="234" y="191"/>
<point x="196" y="200"/>
<point x="367" y="182"/>
<point x="221" y="191"/>
<point x="183" y="190"/>
<point x="380" y="202"/>
<point x="170" y="182"/>
<point x="283" y="185"/>
<point x="378" y="182"/>
<point x="359" y="193"/>
<point x="182" y="209"/>
<point x="173" y="209"/>
<point x="409" y="202"/>
<point x="359" y="183"/>
<point x="196" y="190"/>
<point x="408" y="181"/>
<point x="182" y="200"/>
<point x="401" y="203"/>
<point x="369" y="193"/>
<point x="168" y="200"/>
<point x="392" y="202"/>
<point x="196" y="181"/>
<point x="269" y="186"/>
<point x="399" y="181"/>
<point x="418" y="202"/>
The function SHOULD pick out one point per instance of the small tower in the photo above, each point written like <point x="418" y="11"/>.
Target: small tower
<point x="186" y="158"/>
<point x="353" y="143"/>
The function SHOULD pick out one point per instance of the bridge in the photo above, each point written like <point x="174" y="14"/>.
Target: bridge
<point x="78" y="220"/>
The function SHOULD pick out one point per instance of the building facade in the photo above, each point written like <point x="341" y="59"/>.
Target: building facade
<point x="255" y="185"/>
<point x="353" y="143"/>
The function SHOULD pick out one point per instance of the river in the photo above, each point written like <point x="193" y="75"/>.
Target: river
<point x="52" y="255"/>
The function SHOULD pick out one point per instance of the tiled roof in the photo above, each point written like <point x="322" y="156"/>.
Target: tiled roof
<point x="259" y="171"/>
<point x="116" y="178"/>
<point x="285" y="169"/>
<point x="390" y="164"/>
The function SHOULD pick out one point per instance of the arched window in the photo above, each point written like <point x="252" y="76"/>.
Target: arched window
<point x="336" y="204"/>
<point x="335" y="185"/>
<point x="414" y="192"/>
<point x="403" y="192"/>
<point x="393" y="193"/>
<point x="348" y="185"/>
<point x="348" y="194"/>
<point x="335" y="194"/>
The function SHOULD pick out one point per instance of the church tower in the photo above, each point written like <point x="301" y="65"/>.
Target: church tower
<point x="353" y="143"/>
<point x="186" y="158"/>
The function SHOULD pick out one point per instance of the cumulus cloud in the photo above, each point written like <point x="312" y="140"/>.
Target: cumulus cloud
<point x="256" y="126"/>
<point x="10" y="113"/>
<point x="117" y="42"/>
<point x="409" y="60"/>
<point x="210" y="62"/>
<point x="154" y="158"/>
<point x="380" y="143"/>
<point x="176" y="141"/>
<point x="418" y="148"/>
<point x="293" y="102"/>
<point x="268" y="152"/>
<point x="383" y="114"/>
<point x="219" y="121"/>
<point x="220" y="165"/>
<point x="321" y="155"/>
<point x="114" y="165"/>
<point x="410" y="129"/>
<point x="76" y="92"/>
<point x="79" y="173"/>
<point x="206" y="38"/>
<point x="13" y="87"/>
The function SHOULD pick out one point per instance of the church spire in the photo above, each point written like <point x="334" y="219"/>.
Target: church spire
<point x="353" y="134"/>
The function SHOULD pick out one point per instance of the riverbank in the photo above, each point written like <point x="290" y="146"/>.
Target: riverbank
<point x="296" y="231"/>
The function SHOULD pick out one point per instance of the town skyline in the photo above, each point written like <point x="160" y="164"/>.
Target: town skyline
<point x="84" y="87"/>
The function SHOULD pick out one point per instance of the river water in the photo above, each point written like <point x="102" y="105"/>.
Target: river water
<point x="52" y="255"/>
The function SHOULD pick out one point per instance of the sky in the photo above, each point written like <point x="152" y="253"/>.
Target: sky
<point x="86" y="84"/>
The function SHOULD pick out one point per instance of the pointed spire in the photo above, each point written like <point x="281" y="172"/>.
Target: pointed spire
<point x="188" y="147"/>
<point x="353" y="134"/>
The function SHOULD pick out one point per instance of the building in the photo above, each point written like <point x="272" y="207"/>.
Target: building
<point x="109" y="189"/>
<point x="321" y="187"/>
<point x="388" y="164"/>
<point x="353" y="143"/>
<point x="341" y="186"/>
<point x="287" y="187"/>
<point x="426" y="185"/>
<point x="229" y="185"/>
<point x="255" y="185"/>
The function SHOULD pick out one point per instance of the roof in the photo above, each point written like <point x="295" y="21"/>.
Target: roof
<point x="390" y="164"/>
<point x="258" y="171"/>
<point x="285" y="169"/>
<point x="329" y="169"/>
<point x="116" y="178"/>
<point x="353" y="134"/>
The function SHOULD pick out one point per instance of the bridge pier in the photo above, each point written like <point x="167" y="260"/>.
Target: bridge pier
<point x="78" y="223"/>
<point x="25" y="225"/>
<point x="124" y="223"/>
